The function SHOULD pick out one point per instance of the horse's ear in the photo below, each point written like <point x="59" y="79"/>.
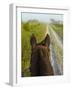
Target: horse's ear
<point x="33" y="41"/>
<point x="47" y="40"/>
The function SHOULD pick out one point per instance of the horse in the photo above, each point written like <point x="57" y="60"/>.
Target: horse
<point x="40" y="57"/>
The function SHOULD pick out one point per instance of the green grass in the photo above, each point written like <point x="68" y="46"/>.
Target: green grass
<point x="27" y="28"/>
<point x="58" y="29"/>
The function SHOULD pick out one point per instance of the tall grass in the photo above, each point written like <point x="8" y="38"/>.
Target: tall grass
<point x="58" y="28"/>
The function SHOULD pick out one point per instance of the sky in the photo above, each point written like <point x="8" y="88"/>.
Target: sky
<point x="41" y="17"/>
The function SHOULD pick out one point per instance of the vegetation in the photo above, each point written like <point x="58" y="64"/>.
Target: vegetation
<point x="58" y="29"/>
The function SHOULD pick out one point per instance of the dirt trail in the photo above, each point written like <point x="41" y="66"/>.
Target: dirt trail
<point x="57" y="67"/>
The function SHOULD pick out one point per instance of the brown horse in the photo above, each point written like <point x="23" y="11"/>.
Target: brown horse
<point x="40" y="57"/>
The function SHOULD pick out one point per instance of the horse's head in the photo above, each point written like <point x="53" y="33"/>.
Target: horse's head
<point x="45" y="42"/>
<point x="40" y="57"/>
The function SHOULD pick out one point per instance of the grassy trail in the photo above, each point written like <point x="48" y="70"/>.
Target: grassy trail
<point x="56" y="59"/>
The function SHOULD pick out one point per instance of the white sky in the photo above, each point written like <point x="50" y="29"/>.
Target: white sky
<point x="41" y="17"/>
